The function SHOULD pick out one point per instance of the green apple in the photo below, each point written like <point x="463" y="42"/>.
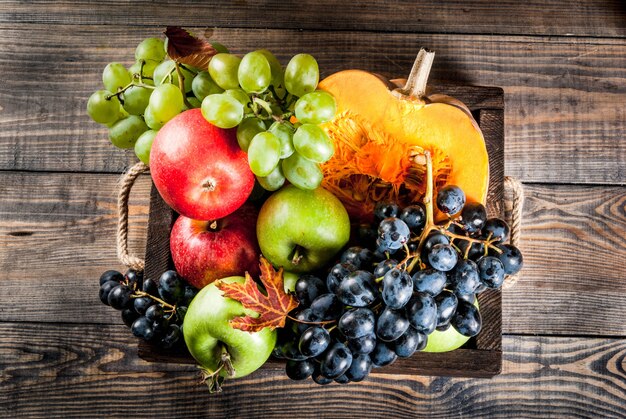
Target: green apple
<point x="302" y="230"/>
<point x="289" y="281"/>
<point x="446" y="341"/>
<point x="209" y="336"/>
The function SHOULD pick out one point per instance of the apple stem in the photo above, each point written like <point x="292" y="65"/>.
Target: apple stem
<point x="213" y="225"/>
<point x="226" y="362"/>
<point x="297" y="257"/>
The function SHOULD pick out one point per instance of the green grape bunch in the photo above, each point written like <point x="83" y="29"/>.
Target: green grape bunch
<point x="275" y="110"/>
<point x="277" y="113"/>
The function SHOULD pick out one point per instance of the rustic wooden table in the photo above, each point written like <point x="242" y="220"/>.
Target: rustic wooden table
<point x="562" y="66"/>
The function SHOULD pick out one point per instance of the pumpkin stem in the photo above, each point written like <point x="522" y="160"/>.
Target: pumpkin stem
<point x="416" y="83"/>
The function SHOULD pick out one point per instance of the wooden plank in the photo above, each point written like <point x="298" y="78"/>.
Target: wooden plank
<point x="564" y="97"/>
<point x="85" y="371"/>
<point x="57" y="237"/>
<point x="534" y="17"/>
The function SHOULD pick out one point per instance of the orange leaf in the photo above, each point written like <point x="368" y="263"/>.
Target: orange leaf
<point x="185" y="48"/>
<point x="272" y="308"/>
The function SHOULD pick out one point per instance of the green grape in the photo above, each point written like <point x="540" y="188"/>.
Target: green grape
<point x="153" y="122"/>
<point x="246" y="131"/>
<point x="277" y="69"/>
<point x="194" y="102"/>
<point x="144" y="145"/>
<point x="136" y="99"/>
<point x="146" y="73"/>
<point x="115" y="76"/>
<point x="219" y="47"/>
<point x="124" y="133"/>
<point x="240" y="95"/>
<point x="316" y="107"/>
<point x="254" y="73"/>
<point x="150" y="49"/>
<point x="166" y="102"/>
<point x="301" y="172"/>
<point x="166" y="73"/>
<point x="284" y="132"/>
<point x="274" y="181"/>
<point x="312" y="143"/>
<point x="222" y="110"/>
<point x="223" y="69"/>
<point x="301" y="75"/>
<point x="101" y="109"/>
<point x="203" y="85"/>
<point x="264" y="153"/>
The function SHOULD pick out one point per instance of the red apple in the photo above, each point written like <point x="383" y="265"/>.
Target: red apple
<point x="204" y="251"/>
<point x="198" y="168"/>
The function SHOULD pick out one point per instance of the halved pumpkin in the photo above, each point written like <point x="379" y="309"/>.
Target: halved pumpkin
<point x="380" y="133"/>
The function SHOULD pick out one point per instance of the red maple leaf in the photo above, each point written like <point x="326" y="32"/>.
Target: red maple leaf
<point x="272" y="308"/>
<point x="185" y="48"/>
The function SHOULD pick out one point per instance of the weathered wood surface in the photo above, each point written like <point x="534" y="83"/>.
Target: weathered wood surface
<point x="535" y="17"/>
<point x="565" y="97"/>
<point x="57" y="237"/>
<point x="85" y="371"/>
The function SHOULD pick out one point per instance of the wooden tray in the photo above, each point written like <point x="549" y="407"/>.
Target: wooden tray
<point x="482" y="355"/>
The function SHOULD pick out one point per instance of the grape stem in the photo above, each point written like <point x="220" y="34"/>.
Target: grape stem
<point x="128" y="86"/>
<point x="139" y="294"/>
<point x="305" y="322"/>
<point x="181" y="84"/>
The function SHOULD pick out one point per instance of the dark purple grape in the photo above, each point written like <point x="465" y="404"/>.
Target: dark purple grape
<point x="342" y="379"/>
<point x="357" y="322"/>
<point x="432" y="240"/>
<point x="105" y="290"/>
<point x="455" y="229"/>
<point x="470" y="298"/>
<point x="181" y="312"/>
<point x="360" y="368"/>
<point x="443" y="257"/>
<point x="446" y="307"/>
<point x="358" y="256"/>
<point x="327" y="307"/>
<point x="337" y="274"/>
<point x="160" y="327"/>
<point x="397" y="288"/>
<point x="410" y="342"/>
<point x="363" y="345"/>
<point x="393" y="233"/>
<point x="495" y="228"/>
<point x="134" y="278"/>
<point x="473" y="216"/>
<point x="299" y="370"/>
<point x="476" y="250"/>
<point x="190" y="293"/>
<point x="464" y="278"/>
<point x="382" y="355"/>
<point x="450" y="199"/>
<point x="119" y="297"/>
<point x="142" y="328"/>
<point x="384" y="266"/>
<point x="466" y="320"/>
<point x="141" y="304"/>
<point x="422" y="313"/>
<point x="318" y="378"/>
<point x="171" y="336"/>
<point x="491" y="271"/>
<point x="314" y="341"/>
<point x="384" y="210"/>
<point x="307" y="316"/>
<point x="358" y="289"/>
<point x="171" y="287"/>
<point x="308" y="288"/>
<point x="511" y="258"/>
<point x="151" y="287"/>
<point x="111" y="276"/>
<point x="415" y="217"/>
<point x="443" y="327"/>
<point x="289" y="350"/>
<point x="430" y="281"/>
<point x="129" y="316"/>
<point x="154" y="312"/>
<point x="391" y="324"/>
<point x="336" y="360"/>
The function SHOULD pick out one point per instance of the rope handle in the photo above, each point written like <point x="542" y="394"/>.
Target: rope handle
<point x="126" y="184"/>
<point x="513" y="204"/>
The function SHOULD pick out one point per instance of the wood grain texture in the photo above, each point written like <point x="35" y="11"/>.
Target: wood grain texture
<point x="76" y="370"/>
<point x="565" y="113"/>
<point x="58" y="232"/>
<point x="534" y="17"/>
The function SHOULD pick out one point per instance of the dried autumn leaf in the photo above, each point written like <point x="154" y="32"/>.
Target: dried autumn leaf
<point x="185" y="48"/>
<point x="272" y="308"/>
